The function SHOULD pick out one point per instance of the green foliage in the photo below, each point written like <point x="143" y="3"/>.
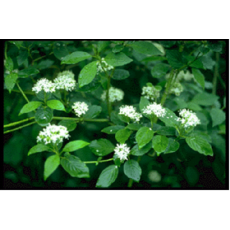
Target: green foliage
<point x="119" y="59"/>
<point x="218" y="116"/>
<point x="70" y="125"/>
<point x="122" y="135"/>
<point x="10" y="81"/>
<point x="93" y="111"/>
<point x="160" y="143"/>
<point x="145" y="48"/>
<point x="31" y="106"/>
<point x="144" y="136"/>
<point x="132" y="170"/>
<point x="112" y="129"/>
<point x="55" y="104"/>
<point x="74" y="145"/>
<point x="43" y="116"/>
<point x="38" y="148"/>
<point x="51" y="165"/>
<point x="75" y="57"/>
<point x="199" y="77"/>
<point x="101" y="147"/>
<point x="120" y="74"/>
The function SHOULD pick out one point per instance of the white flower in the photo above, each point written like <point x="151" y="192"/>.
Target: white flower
<point x="80" y="108"/>
<point x="150" y="92"/>
<point x="188" y="118"/>
<point x="114" y="94"/>
<point x="130" y="111"/>
<point x="176" y="88"/>
<point x="44" y="84"/>
<point x="103" y="66"/>
<point x="65" y="80"/>
<point x="53" y="133"/>
<point x="122" y="151"/>
<point x="155" y="109"/>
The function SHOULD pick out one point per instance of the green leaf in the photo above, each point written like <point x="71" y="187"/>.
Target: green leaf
<point x="122" y="135"/>
<point x="38" y="148"/>
<point x="133" y="126"/>
<point x="115" y="119"/>
<point x="132" y="170"/>
<point x="117" y="48"/>
<point x="143" y="103"/>
<point x="69" y="124"/>
<point x="112" y="129"/>
<point x="91" y="86"/>
<point x="45" y="64"/>
<point x="74" y="166"/>
<point x="200" y="145"/>
<point x="119" y="59"/>
<point x="10" y="81"/>
<point x="194" y="106"/>
<point x="199" y="77"/>
<point x="218" y="116"/>
<point x="144" y="136"/>
<point x="120" y="74"/>
<point x="167" y="44"/>
<point x="205" y="99"/>
<point x="166" y="131"/>
<point x="208" y="62"/>
<point x="22" y="57"/>
<point x="28" y="72"/>
<point x="159" y="70"/>
<point x="101" y="147"/>
<point x="55" y="104"/>
<point x="43" y="116"/>
<point x="60" y="52"/>
<point x="9" y="64"/>
<point x="93" y="111"/>
<point x="87" y="74"/>
<point x="75" y="57"/>
<point x="30" y="106"/>
<point x="17" y="43"/>
<point x="175" y="59"/>
<point x="101" y="45"/>
<point x="107" y="176"/>
<point x="170" y="118"/>
<point x="172" y="147"/>
<point x="135" y="151"/>
<point x="51" y="165"/>
<point x="74" y="145"/>
<point x="146" y="48"/>
<point x="195" y="64"/>
<point x="160" y="143"/>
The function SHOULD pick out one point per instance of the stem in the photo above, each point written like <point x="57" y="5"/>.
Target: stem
<point x="216" y="73"/>
<point x="25" y="92"/>
<point x="5" y="50"/>
<point x="94" y="162"/>
<point x="12" y="130"/>
<point x="79" y="119"/>
<point x="22" y="93"/>
<point x="131" y="180"/>
<point x="107" y="98"/>
<point x="18" y="122"/>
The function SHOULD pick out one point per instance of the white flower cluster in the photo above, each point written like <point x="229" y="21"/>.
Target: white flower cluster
<point x="103" y="66"/>
<point x="150" y="92"/>
<point x="80" y="108"/>
<point x="53" y="133"/>
<point x="188" y="118"/>
<point x="44" y="84"/>
<point x="187" y="76"/>
<point x="122" y="151"/>
<point x="114" y="94"/>
<point x="155" y="109"/>
<point x="176" y="88"/>
<point x="130" y="111"/>
<point x="65" y="80"/>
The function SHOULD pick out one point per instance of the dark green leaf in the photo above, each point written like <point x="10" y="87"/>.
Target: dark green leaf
<point x="87" y="74"/>
<point x="135" y="151"/>
<point x="160" y="143"/>
<point x="93" y="111"/>
<point x="120" y="74"/>
<point x="75" y="57"/>
<point x="55" y="104"/>
<point x="60" y="52"/>
<point x="133" y="126"/>
<point x="200" y="145"/>
<point x="74" y="145"/>
<point x="51" y="165"/>
<point x="196" y="64"/>
<point x="101" y="147"/>
<point x="143" y="103"/>
<point x="101" y="45"/>
<point x="112" y="129"/>
<point x="166" y="131"/>
<point x="132" y="170"/>
<point x="143" y="136"/>
<point x="199" y="77"/>
<point x="22" y="57"/>
<point x="30" y="106"/>
<point x="38" y="148"/>
<point x="74" y="166"/>
<point x="122" y="135"/>
<point x="172" y="147"/>
<point x="205" y="99"/>
<point x="145" y="48"/>
<point x="218" y="116"/>
<point x="194" y="106"/>
<point x="43" y="116"/>
<point x="28" y="72"/>
<point x="9" y="64"/>
<point x="69" y="124"/>
<point x="207" y="62"/>
<point x="107" y="176"/>
<point x="17" y="43"/>
<point x="119" y="59"/>
<point x="167" y="44"/>
<point x="117" y="48"/>
<point x="170" y="118"/>
<point x="115" y="119"/>
<point x="45" y="64"/>
<point x="159" y="70"/>
<point x="175" y="58"/>
<point x="91" y="86"/>
<point x="10" y="81"/>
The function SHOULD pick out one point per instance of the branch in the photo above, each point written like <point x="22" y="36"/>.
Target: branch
<point x="12" y="130"/>
<point x="18" y="122"/>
